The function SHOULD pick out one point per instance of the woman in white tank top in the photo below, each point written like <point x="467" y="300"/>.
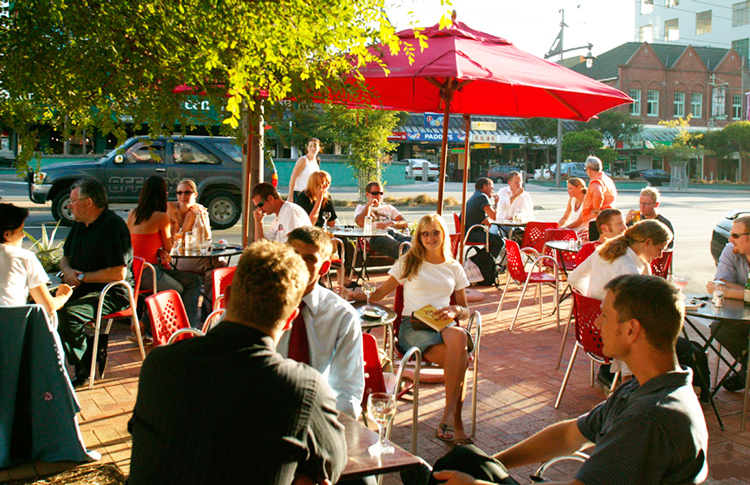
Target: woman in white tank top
<point x="576" y="190"/>
<point x="305" y="166"/>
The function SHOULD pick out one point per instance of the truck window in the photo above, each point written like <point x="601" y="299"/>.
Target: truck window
<point x="191" y="153"/>
<point x="145" y="152"/>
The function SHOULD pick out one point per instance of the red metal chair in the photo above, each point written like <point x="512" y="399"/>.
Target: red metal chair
<point x="222" y="277"/>
<point x="662" y="266"/>
<point x="566" y="261"/>
<point x="475" y="227"/>
<point x="586" y="311"/>
<point x="167" y="315"/>
<point x="585" y="251"/>
<point x="130" y="311"/>
<point x="520" y="276"/>
<point x="337" y="262"/>
<point x="378" y="381"/>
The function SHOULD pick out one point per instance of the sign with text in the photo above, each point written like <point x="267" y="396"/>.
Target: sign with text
<point x="397" y="136"/>
<point x="484" y="125"/>
<point x="479" y="138"/>
<point x="433" y="120"/>
<point x="452" y="137"/>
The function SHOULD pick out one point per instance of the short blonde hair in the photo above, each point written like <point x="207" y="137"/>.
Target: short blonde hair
<point x="268" y="285"/>
<point x="651" y="192"/>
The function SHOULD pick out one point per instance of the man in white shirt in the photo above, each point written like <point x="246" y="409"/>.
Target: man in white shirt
<point x="289" y="215"/>
<point x="514" y="199"/>
<point x="332" y="329"/>
<point x="384" y="216"/>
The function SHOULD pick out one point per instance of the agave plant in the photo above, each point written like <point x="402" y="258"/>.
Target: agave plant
<point x="46" y="251"/>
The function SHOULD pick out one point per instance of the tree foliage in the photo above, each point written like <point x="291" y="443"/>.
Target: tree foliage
<point x="684" y="146"/>
<point x="733" y="138"/>
<point x="106" y="64"/>
<point x="537" y="132"/>
<point x="616" y="126"/>
<point x="364" y="135"/>
<point x="579" y="145"/>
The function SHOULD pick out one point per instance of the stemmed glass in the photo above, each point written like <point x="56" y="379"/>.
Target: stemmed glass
<point x="681" y="281"/>
<point x="368" y="288"/>
<point x="381" y="407"/>
<point x="325" y="216"/>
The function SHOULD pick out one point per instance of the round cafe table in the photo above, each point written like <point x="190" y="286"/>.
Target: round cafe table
<point x="385" y="318"/>
<point x="227" y="252"/>
<point x="348" y="232"/>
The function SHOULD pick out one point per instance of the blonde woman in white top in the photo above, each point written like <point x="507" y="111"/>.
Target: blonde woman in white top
<point x="306" y="165"/>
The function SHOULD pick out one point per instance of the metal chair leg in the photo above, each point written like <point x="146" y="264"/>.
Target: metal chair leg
<point x="564" y="339"/>
<point x="567" y="376"/>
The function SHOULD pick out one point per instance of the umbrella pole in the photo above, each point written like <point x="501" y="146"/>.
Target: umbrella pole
<point x="447" y="94"/>
<point x="467" y="122"/>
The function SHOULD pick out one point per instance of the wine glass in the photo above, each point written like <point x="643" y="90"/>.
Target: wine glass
<point x="368" y="288"/>
<point x="381" y="407"/>
<point x="680" y="281"/>
<point x="325" y="216"/>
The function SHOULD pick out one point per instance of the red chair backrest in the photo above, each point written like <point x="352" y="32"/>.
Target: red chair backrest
<point x="661" y="266"/>
<point x="457" y="222"/>
<point x="137" y="269"/>
<point x="167" y="315"/>
<point x="222" y="277"/>
<point x="374" y="381"/>
<point x="587" y="250"/>
<point x="455" y="243"/>
<point x="515" y="262"/>
<point x="533" y="236"/>
<point x="586" y="310"/>
<point x="398" y="307"/>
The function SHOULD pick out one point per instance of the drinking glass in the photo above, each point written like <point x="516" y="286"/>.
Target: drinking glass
<point x="381" y="406"/>
<point x="368" y="288"/>
<point x="681" y="281"/>
<point x="325" y="216"/>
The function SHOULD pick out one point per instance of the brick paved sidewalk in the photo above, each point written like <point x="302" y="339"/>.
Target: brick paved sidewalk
<point x="517" y="388"/>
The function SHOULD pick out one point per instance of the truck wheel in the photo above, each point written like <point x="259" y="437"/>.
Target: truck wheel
<point x="60" y="210"/>
<point x="223" y="209"/>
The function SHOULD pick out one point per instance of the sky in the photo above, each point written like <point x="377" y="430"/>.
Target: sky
<point x="532" y="25"/>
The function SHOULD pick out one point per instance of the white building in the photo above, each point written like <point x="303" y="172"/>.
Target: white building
<point x="715" y="23"/>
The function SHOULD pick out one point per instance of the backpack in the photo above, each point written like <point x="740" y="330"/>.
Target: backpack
<point x="486" y="264"/>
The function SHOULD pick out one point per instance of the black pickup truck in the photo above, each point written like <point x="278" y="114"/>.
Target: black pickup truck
<point x="214" y="163"/>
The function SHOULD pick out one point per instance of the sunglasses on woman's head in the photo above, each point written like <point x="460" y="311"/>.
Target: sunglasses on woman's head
<point x="183" y="192"/>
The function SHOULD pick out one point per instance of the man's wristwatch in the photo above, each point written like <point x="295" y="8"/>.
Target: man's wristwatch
<point x="80" y="277"/>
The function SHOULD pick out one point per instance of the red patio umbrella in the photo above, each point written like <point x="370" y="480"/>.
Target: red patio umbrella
<point x="470" y="72"/>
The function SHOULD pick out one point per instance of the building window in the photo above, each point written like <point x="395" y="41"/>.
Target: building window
<point x="736" y="107"/>
<point x="696" y="105"/>
<point x="672" y="3"/>
<point x="647" y="33"/>
<point x="635" y="108"/>
<point x="703" y="22"/>
<point x="672" y="30"/>
<point x="647" y="7"/>
<point x="679" y="105"/>
<point x="740" y="14"/>
<point x="652" y="105"/>
<point x="742" y="47"/>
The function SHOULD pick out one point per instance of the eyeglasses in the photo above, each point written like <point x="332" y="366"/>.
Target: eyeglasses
<point x="79" y="198"/>
<point x="377" y="193"/>
<point x="433" y="233"/>
<point x="260" y="204"/>
<point x="737" y="236"/>
<point x="185" y="192"/>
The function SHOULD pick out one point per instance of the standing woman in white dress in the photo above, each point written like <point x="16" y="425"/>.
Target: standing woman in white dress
<point x="576" y="191"/>
<point x="21" y="273"/>
<point x="306" y="165"/>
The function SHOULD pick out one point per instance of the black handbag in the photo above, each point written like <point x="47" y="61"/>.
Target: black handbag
<point x="486" y="264"/>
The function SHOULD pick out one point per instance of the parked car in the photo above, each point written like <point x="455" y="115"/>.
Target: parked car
<point x="499" y="173"/>
<point x="637" y="173"/>
<point x="567" y="170"/>
<point x="214" y="163"/>
<point x="720" y="236"/>
<point x="656" y="177"/>
<point x="413" y="168"/>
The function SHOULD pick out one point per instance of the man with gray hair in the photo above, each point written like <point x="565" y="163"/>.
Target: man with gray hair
<point x="601" y="194"/>
<point x="97" y="251"/>
<point x="648" y="202"/>
<point x="226" y="407"/>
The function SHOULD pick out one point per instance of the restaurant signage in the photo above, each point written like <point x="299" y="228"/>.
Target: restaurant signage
<point x="480" y="138"/>
<point x="484" y="125"/>
<point x="454" y="137"/>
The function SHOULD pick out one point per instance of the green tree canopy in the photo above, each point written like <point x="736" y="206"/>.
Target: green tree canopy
<point x="537" y="132"/>
<point x="105" y="64"/>
<point x="578" y="145"/>
<point x="684" y="147"/>
<point x="364" y="135"/>
<point x="615" y="126"/>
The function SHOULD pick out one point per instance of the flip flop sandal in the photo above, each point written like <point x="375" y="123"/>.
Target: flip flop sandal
<point x="443" y="431"/>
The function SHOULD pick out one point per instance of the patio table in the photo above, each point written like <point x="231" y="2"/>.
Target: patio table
<point x="360" y="463"/>
<point x="385" y="318"/>
<point x="358" y="233"/>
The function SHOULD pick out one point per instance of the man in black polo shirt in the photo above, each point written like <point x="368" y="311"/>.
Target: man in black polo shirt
<point x="96" y="252"/>
<point x="650" y="430"/>
<point x="480" y="210"/>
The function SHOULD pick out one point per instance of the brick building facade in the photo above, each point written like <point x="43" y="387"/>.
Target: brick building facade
<point x="669" y="81"/>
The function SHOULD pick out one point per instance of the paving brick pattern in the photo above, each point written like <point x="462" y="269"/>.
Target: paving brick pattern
<point x="517" y="388"/>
